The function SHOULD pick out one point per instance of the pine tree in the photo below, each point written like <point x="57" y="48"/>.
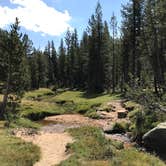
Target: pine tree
<point x="33" y="67"/>
<point x="62" y="66"/>
<point x="83" y="62"/>
<point x="106" y="53"/>
<point x="4" y="38"/>
<point x="68" y="41"/>
<point x="152" y="40"/>
<point x="95" y="66"/>
<point x="114" y="35"/>
<point x="54" y="61"/>
<point x="27" y="47"/>
<point x="48" y="63"/>
<point x="13" y="80"/>
<point x="131" y="34"/>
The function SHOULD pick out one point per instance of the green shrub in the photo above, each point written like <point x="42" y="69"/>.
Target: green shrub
<point x="120" y="127"/>
<point x="131" y="105"/>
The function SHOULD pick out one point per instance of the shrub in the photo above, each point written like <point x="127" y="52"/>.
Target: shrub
<point x="131" y="105"/>
<point x="120" y="127"/>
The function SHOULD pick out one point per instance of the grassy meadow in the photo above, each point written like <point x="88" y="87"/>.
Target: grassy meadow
<point x="43" y="102"/>
<point x="14" y="151"/>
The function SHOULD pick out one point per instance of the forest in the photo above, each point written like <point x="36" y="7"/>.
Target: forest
<point x="109" y="63"/>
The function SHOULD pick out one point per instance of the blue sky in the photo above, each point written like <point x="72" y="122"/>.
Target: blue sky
<point x="45" y="20"/>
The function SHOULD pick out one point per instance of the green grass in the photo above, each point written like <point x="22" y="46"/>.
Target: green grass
<point x="40" y="103"/>
<point x="92" y="149"/>
<point x="15" y="152"/>
<point x="83" y="103"/>
<point x="80" y="97"/>
<point x="36" y="110"/>
<point x="37" y="94"/>
<point x="25" y="123"/>
<point x="90" y="145"/>
<point x="133" y="157"/>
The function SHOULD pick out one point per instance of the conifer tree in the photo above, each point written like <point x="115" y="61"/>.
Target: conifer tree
<point x="114" y="35"/>
<point x="84" y="59"/>
<point x="62" y="66"/>
<point x="54" y="61"/>
<point x="14" y="82"/>
<point x="106" y="53"/>
<point x="95" y="66"/>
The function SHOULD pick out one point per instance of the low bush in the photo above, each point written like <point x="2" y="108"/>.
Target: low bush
<point x="120" y="127"/>
<point x="131" y="105"/>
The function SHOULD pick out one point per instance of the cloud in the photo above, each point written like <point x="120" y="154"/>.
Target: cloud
<point x="37" y="16"/>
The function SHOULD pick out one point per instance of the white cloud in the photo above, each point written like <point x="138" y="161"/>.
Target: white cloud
<point x="37" y="16"/>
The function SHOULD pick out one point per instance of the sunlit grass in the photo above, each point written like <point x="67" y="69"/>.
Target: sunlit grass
<point x="36" y="110"/>
<point x="81" y="97"/>
<point x="84" y="103"/>
<point x="134" y="157"/>
<point x="43" y="102"/>
<point x="14" y="151"/>
<point x="92" y="149"/>
<point x="90" y="144"/>
<point x="38" y="93"/>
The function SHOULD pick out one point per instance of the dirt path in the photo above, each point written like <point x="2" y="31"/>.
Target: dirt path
<point x="52" y="145"/>
<point x="52" y="139"/>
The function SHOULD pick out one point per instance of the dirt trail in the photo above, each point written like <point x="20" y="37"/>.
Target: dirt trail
<point x="52" y="139"/>
<point x="52" y="145"/>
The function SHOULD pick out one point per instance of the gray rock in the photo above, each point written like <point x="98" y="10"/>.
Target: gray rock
<point x="155" y="139"/>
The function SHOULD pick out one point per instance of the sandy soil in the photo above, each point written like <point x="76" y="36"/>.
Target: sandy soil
<point x="52" y="145"/>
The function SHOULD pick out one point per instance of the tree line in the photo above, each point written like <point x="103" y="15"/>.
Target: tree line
<point x="105" y="59"/>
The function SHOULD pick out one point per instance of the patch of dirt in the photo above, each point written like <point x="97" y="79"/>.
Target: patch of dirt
<point x="52" y="145"/>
